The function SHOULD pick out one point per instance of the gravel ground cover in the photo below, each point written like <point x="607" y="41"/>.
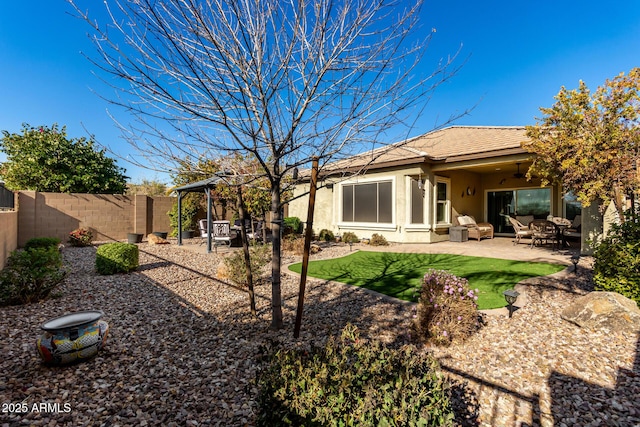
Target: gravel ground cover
<point x="182" y="349"/>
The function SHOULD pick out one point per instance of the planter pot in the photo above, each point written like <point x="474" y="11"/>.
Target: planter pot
<point x="161" y="234"/>
<point x="186" y="234"/>
<point x="134" y="237"/>
<point x="72" y="338"/>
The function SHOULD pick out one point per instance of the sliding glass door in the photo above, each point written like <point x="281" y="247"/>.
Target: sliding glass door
<point x="525" y="201"/>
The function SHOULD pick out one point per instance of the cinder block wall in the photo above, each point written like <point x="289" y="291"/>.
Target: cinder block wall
<point x="8" y="235"/>
<point x="111" y="217"/>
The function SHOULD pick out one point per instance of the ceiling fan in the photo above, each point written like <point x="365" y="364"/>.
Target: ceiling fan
<point x="518" y="174"/>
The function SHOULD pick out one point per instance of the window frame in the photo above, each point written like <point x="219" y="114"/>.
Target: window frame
<point x="383" y="226"/>
<point x="447" y="202"/>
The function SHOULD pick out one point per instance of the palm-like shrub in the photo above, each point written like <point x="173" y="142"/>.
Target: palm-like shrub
<point x="447" y="309"/>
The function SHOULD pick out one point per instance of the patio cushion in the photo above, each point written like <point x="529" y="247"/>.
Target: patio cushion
<point x="466" y="220"/>
<point x="524" y="219"/>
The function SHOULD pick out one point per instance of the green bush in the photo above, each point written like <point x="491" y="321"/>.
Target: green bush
<point x="349" y="237"/>
<point x="190" y="206"/>
<point x="378" y="240"/>
<point x="30" y="275"/>
<point x="326" y="235"/>
<point x="42" y="242"/>
<point x="353" y="382"/>
<point x="116" y="257"/>
<point x="292" y="224"/>
<point x="447" y="309"/>
<point x="617" y="261"/>
<point x="259" y="255"/>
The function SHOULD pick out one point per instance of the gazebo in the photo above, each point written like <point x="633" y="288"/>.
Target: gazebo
<point x="205" y="185"/>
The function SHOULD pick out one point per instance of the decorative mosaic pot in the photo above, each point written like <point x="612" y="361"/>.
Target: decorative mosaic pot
<point x="72" y="337"/>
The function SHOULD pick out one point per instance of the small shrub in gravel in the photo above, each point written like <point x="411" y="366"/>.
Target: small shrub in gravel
<point x="349" y="237"/>
<point x="236" y="270"/>
<point x="353" y="382"/>
<point x="617" y="261"/>
<point x="292" y="224"/>
<point x="326" y="235"/>
<point x="80" y="237"/>
<point x="30" y="275"/>
<point x="293" y="244"/>
<point x="42" y="242"/>
<point x="447" y="311"/>
<point x="117" y="257"/>
<point x="378" y="240"/>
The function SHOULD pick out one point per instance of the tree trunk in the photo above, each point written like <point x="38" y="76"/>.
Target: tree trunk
<point x="247" y="255"/>
<point x="276" y="225"/>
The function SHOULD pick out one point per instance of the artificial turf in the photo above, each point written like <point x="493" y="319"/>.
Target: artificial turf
<point x="399" y="274"/>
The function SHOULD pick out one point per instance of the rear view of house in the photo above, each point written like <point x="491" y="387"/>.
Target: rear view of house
<point x="414" y="191"/>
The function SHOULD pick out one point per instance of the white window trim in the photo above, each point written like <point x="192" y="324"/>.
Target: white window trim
<point x="447" y="181"/>
<point x="368" y="225"/>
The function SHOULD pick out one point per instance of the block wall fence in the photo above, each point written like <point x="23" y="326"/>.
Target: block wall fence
<point x="111" y="217"/>
<point x="8" y="235"/>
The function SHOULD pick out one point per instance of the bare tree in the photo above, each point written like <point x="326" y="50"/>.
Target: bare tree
<point x="283" y="80"/>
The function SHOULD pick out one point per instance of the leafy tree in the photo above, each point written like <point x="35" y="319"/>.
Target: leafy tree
<point x="279" y="81"/>
<point x="44" y="159"/>
<point x="147" y="187"/>
<point x="591" y="142"/>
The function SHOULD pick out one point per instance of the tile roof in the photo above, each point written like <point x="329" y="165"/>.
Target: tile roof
<point x="449" y="144"/>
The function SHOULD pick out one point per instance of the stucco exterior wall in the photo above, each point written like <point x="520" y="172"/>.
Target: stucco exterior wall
<point x="8" y="235"/>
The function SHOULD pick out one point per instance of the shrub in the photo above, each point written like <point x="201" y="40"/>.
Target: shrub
<point x="447" y="309"/>
<point x="293" y="243"/>
<point x="617" y="261"/>
<point x="80" y="237"/>
<point x="378" y="240"/>
<point x="190" y="206"/>
<point x="349" y="237"/>
<point x="353" y="382"/>
<point x="260" y="255"/>
<point x="30" y="275"/>
<point x="42" y="242"/>
<point x="326" y="235"/>
<point x="116" y="257"/>
<point x="292" y="224"/>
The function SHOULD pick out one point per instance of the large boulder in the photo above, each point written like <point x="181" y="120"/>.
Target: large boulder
<point x="604" y="310"/>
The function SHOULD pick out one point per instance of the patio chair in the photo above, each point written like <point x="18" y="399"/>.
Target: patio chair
<point x="544" y="231"/>
<point x="520" y="229"/>
<point x="221" y="232"/>
<point x="477" y="230"/>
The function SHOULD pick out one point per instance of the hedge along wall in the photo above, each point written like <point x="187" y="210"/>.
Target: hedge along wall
<point x="111" y="217"/>
<point x="8" y="235"/>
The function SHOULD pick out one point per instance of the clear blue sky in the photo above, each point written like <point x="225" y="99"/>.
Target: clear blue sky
<point x="518" y="53"/>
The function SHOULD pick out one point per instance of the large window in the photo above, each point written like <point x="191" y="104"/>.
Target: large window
<point x="572" y="207"/>
<point x="443" y="202"/>
<point x="367" y="202"/>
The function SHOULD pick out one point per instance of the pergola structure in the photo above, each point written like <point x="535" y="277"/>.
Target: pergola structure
<point x="206" y="185"/>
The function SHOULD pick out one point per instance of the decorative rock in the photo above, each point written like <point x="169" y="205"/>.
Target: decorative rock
<point x="608" y="310"/>
<point x="156" y="240"/>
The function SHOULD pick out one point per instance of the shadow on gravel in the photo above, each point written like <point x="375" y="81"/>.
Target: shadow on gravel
<point x="591" y="404"/>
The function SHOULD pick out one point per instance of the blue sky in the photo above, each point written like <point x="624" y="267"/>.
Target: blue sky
<point x="518" y="54"/>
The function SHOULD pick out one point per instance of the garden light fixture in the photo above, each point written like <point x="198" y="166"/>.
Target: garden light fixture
<point x="510" y="295"/>
<point x="575" y="259"/>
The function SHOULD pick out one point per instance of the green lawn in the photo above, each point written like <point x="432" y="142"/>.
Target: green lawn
<point x="398" y="274"/>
